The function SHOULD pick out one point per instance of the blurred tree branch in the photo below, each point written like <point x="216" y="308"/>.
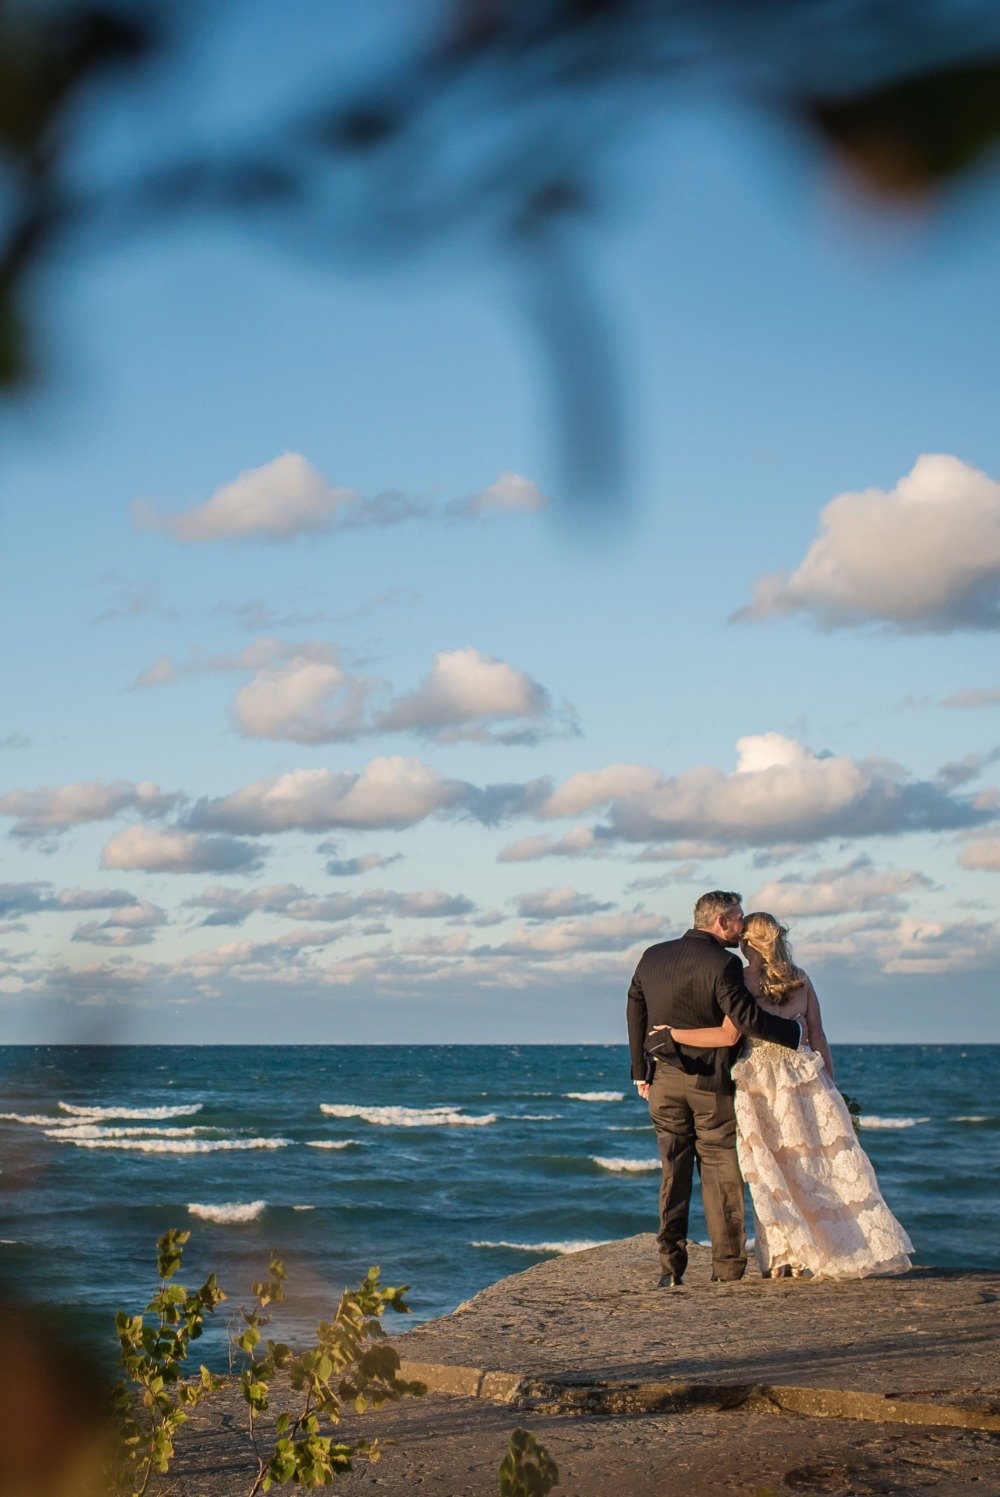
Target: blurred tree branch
<point x="498" y="129"/>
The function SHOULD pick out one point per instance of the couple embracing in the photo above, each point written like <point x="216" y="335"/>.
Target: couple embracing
<point x="737" y="1072"/>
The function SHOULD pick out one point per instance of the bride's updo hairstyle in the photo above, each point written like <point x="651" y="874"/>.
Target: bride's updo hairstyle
<point x="769" y="938"/>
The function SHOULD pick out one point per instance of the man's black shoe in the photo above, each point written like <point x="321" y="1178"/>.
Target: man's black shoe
<point x="670" y="1281"/>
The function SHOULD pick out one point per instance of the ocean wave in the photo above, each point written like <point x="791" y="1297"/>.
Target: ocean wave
<point x="92" y="1114"/>
<point x="408" y="1117"/>
<point x="98" y="1130"/>
<point x="867" y="1121"/>
<point x="542" y="1247"/>
<point x="972" y="1118"/>
<point x="532" y="1117"/>
<point x="596" y="1096"/>
<point x="303" y="1208"/>
<point x="38" y="1120"/>
<point x="228" y="1212"/>
<point x="626" y="1166"/>
<point x="326" y="1143"/>
<point x="179" y="1146"/>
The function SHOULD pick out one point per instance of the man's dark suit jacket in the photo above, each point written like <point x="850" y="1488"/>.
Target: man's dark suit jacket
<point x="693" y="983"/>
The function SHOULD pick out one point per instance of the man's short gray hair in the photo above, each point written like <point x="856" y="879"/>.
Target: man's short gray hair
<point x="713" y="904"/>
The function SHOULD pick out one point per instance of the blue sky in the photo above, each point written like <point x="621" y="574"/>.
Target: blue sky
<point x="251" y="722"/>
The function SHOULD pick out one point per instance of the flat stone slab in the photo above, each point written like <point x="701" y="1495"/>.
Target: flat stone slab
<point x="698" y="1390"/>
<point x="595" y="1319"/>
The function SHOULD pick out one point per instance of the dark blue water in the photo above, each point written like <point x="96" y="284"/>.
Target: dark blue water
<point x="489" y="1163"/>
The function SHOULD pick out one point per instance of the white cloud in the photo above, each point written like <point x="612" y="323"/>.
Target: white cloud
<point x="176" y="851"/>
<point x="389" y="792"/>
<point x="838" y="891"/>
<point x="555" y="904"/>
<point x="303" y="700"/>
<point x="511" y="493"/>
<point x="300" y="691"/>
<point x="161" y="673"/>
<point x="982" y="855"/>
<point x="780" y="790"/>
<point x="365" y="863"/>
<point x="924" y="556"/>
<point x="133" y="925"/>
<point x="578" y="842"/>
<point x="50" y="809"/>
<point x="37" y="897"/>
<point x="594" y="934"/>
<point x="279" y="501"/>
<point x="984" y="697"/>
<point x="283" y="499"/>
<point x="464" y="690"/>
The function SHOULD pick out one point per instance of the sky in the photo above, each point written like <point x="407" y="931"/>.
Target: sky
<point x="333" y="715"/>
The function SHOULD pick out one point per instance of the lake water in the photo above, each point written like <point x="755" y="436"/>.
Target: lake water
<point x="450" y="1166"/>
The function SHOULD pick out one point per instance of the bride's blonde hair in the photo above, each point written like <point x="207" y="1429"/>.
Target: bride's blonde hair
<point x="769" y="938"/>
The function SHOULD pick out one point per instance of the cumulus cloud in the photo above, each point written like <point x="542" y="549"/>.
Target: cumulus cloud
<point x="923" y="557"/>
<point x="838" y="891"/>
<point x="172" y="850"/>
<point x="39" y="897"/>
<point x="556" y="904"/>
<point x="284" y="498"/>
<point x="133" y="925"/>
<point x="388" y="792"/>
<point x="780" y="790"/>
<point x="302" y="692"/>
<point x="510" y="494"/>
<point x="305" y="699"/>
<point x="593" y="934"/>
<point x="982" y="855"/>
<point x="50" y="810"/>
<point x="464" y="692"/>
<point x="578" y="842"/>
<point x="905" y="945"/>
<point x="232" y="906"/>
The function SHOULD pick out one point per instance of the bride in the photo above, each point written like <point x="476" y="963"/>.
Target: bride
<point x="816" y="1201"/>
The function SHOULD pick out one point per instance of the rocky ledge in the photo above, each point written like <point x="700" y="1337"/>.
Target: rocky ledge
<point x="760" y="1389"/>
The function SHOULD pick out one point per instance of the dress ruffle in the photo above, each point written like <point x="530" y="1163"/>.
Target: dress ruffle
<point x="816" y="1200"/>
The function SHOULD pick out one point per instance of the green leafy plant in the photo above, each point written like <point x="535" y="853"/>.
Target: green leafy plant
<point x="527" y="1470"/>
<point x="854" y="1108"/>
<point x="348" y="1364"/>
<point x="153" y="1399"/>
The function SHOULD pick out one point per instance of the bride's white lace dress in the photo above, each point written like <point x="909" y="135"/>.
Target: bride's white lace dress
<point x="816" y="1201"/>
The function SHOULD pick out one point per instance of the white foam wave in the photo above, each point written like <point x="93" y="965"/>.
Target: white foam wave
<point x="533" y="1117"/>
<point x="626" y="1166"/>
<point x="408" y="1117"/>
<point x="303" y="1208"/>
<point x="542" y="1247"/>
<point x="39" y="1120"/>
<point x="867" y="1121"/>
<point x="227" y="1212"/>
<point x="97" y="1130"/>
<point x="596" y="1096"/>
<point x="972" y="1118"/>
<point x="92" y="1114"/>
<point x="177" y="1146"/>
<point x="326" y="1143"/>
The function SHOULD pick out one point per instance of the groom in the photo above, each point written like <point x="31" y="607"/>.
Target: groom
<point x="692" y="983"/>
